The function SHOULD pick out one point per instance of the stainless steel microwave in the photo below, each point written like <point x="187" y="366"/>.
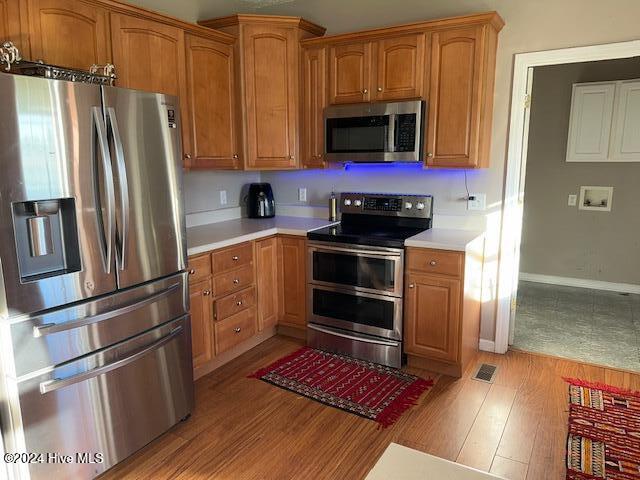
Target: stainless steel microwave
<point x="375" y="132"/>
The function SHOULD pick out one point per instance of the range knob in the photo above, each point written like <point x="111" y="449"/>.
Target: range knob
<point x="347" y="201"/>
<point x="408" y="205"/>
<point x="420" y="206"/>
<point x="357" y="203"/>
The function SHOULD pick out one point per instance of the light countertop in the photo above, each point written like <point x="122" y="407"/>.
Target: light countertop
<point x="444" y="239"/>
<point x="204" y="238"/>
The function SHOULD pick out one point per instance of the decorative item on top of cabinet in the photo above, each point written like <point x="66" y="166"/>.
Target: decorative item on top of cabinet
<point x="461" y="97"/>
<point x="266" y="254"/>
<point x="292" y="271"/>
<point x="11" y="16"/>
<point x="214" y="140"/>
<point x="69" y="33"/>
<point x="267" y="67"/>
<point x="314" y="100"/>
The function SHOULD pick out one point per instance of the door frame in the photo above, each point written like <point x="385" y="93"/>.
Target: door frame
<point x="516" y="165"/>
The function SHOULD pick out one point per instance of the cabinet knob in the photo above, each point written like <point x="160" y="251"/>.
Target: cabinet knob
<point x="236" y="330"/>
<point x="239" y="303"/>
<point x="192" y="271"/>
<point x="187" y="156"/>
<point x="365" y="91"/>
<point x="412" y="285"/>
<point x="236" y="281"/>
<point x="206" y="293"/>
<point x="433" y="263"/>
<point x="379" y="89"/>
<point x="235" y="155"/>
<point x="429" y="154"/>
<point x="291" y="157"/>
<point x="235" y="258"/>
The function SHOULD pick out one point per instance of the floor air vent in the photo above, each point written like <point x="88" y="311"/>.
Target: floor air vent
<point x="486" y="373"/>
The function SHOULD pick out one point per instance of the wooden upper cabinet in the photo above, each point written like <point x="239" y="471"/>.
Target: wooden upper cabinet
<point x="461" y="97"/>
<point x="400" y="67"/>
<point x="349" y="73"/>
<point x="432" y="317"/>
<point x="314" y="99"/>
<point x="211" y="102"/>
<point x="270" y="78"/>
<point x="69" y="33"/>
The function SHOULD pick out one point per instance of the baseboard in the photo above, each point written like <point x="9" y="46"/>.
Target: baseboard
<point x="487" y="345"/>
<point x="580" y="282"/>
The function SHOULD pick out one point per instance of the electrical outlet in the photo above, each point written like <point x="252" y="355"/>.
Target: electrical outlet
<point x="573" y="200"/>
<point x="302" y="194"/>
<point x="477" y="201"/>
<point x="223" y="197"/>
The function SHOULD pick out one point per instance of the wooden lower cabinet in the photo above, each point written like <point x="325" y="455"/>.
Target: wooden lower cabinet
<point x="234" y="330"/>
<point x="201" y="322"/>
<point x="266" y="255"/>
<point x="292" y="271"/>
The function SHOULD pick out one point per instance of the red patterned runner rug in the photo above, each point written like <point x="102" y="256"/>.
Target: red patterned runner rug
<point x="604" y="432"/>
<point x="367" y="389"/>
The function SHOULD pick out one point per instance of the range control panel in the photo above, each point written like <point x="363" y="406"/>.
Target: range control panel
<point x="398" y="205"/>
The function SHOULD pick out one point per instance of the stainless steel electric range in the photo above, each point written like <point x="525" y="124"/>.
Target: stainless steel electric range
<point x="355" y="275"/>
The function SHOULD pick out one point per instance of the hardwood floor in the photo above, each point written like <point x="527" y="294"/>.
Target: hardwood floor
<point x="246" y="429"/>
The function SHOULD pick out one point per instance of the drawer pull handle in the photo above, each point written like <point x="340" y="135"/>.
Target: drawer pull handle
<point x="235" y="258"/>
<point x="236" y="330"/>
<point x="236" y="281"/>
<point x="433" y="263"/>
<point x="192" y="271"/>
<point x="206" y="293"/>
<point x="239" y="303"/>
<point x="412" y="285"/>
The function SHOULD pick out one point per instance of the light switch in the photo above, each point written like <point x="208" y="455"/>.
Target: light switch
<point x="302" y="194"/>
<point x="477" y="201"/>
<point x="573" y="200"/>
<point x="223" y="197"/>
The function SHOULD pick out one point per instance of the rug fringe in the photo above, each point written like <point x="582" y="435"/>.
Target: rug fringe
<point x="406" y="400"/>
<point x="602" y="386"/>
<point x="263" y="371"/>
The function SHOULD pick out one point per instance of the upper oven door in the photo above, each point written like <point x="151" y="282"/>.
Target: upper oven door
<point x="381" y="132"/>
<point x="365" y="269"/>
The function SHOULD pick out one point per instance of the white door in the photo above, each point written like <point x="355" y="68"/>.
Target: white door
<point x="590" y="122"/>
<point x="625" y="134"/>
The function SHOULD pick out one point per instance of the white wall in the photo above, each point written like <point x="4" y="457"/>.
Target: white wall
<point x="530" y="25"/>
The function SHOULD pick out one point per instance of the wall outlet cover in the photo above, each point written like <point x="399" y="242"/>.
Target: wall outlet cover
<point x="223" y="197"/>
<point x="302" y="194"/>
<point x="573" y="200"/>
<point x="479" y="201"/>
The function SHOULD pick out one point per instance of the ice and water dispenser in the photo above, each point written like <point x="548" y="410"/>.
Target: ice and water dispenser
<point x="46" y="238"/>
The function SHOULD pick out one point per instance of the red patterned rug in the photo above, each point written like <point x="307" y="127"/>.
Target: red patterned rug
<point x="604" y="432"/>
<point x="367" y="389"/>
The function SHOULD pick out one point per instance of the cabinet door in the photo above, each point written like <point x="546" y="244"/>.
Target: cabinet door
<point x="314" y="98"/>
<point x="270" y="74"/>
<point x="69" y="33"/>
<point x="349" y="73"/>
<point x="625" y="137"/>
<point x="292" y="280"/>
<point x="267" y="282"/>
<point x="590" y="122"/>
<point x="432" y="317"/>
<point x="201" y="322"/>
<point x="400" y="67"/>
<point x="211" y="103"/>
<point x="455" y="98"/>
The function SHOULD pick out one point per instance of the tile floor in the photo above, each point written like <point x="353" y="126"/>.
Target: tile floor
<point x="594" y="326"/>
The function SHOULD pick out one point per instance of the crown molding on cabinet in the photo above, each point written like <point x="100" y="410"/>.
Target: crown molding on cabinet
<point x="273" y="20"/>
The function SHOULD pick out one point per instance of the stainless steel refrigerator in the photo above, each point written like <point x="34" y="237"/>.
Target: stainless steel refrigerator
<point x="95" y="347"/>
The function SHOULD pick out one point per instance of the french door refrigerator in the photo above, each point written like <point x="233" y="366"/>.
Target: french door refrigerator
<point x="95" y="347"/>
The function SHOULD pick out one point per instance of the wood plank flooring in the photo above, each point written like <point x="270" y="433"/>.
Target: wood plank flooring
<point x="246" y="429"/>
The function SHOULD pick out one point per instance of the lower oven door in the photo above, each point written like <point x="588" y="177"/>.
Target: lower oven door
<point x="379" y="315"/>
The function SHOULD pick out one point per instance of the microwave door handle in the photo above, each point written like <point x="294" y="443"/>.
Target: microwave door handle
<point x="105" y="162"/>
<point x="391" y="133"/>
<point x="123" y="185"/>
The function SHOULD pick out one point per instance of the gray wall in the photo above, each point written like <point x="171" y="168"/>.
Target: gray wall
<point x="564" y="241"/>
<point x="202" y="189"/>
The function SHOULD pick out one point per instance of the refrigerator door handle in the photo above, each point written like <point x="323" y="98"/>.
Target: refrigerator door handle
<point x="49" y="328"/>
<point x="122" y="184"/>
<point x="109" y="240"/>
<point x="57" y="384"/>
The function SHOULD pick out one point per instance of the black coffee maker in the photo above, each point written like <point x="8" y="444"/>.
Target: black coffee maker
<point x="260" y="202"/>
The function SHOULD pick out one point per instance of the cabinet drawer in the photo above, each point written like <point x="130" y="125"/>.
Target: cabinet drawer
<point x="234" y="303"/>
<point x="435" y="261"/>
<point x="235" y="329"/>
<point x="233" y="281"/>
<point x="199" y="268"/>
<point x="232" y="257"/>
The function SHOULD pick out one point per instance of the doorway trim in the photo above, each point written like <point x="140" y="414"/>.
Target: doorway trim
<point x="512" y="212"/>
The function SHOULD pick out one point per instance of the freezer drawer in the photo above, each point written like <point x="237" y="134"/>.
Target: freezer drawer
<point x="58" y="336"/>
<point x="112" y="403"/>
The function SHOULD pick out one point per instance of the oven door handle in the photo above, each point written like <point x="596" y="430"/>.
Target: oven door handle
<point x="356" y="252"/>
<point x="352" y="337"/>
